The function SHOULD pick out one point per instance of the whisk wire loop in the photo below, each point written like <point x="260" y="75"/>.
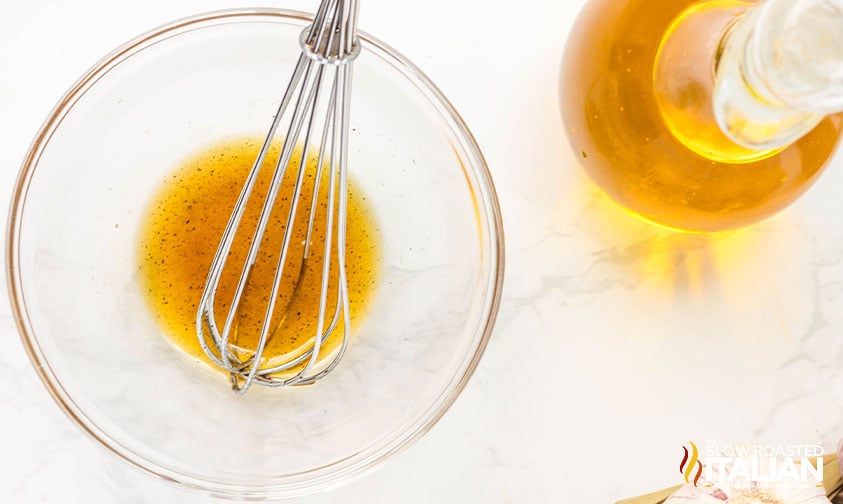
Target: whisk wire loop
<point x="329" y="43"/>
<point x="300" y="116"/>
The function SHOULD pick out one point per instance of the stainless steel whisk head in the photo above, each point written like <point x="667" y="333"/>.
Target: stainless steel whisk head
<point x="323" y="74"/>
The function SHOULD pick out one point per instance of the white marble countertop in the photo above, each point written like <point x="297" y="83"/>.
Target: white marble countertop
<point x="616" y="342"/>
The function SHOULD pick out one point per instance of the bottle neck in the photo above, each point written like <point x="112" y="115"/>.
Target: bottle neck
<point x="780" y="72"/>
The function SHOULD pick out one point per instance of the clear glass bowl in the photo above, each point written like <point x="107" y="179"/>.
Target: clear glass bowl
<point x="73" y="232"/>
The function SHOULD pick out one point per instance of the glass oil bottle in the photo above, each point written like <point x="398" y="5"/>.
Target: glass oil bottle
<point x="704" y="115"/>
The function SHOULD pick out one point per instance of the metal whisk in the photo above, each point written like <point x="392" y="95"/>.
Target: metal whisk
<point x="329" y="47"/>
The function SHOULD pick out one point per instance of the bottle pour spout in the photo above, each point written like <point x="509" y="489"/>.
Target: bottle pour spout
<point x="780" y="72"/>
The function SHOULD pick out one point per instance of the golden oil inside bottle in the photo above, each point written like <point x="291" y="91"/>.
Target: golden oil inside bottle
<point x="183" y="227"/>
<point x="632" y="147"/>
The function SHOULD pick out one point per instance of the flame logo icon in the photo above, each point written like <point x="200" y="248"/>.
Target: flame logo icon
<point x="689" y="461"/>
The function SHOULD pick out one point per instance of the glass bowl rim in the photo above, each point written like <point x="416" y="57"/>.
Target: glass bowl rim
<point x="316" y="479"/>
